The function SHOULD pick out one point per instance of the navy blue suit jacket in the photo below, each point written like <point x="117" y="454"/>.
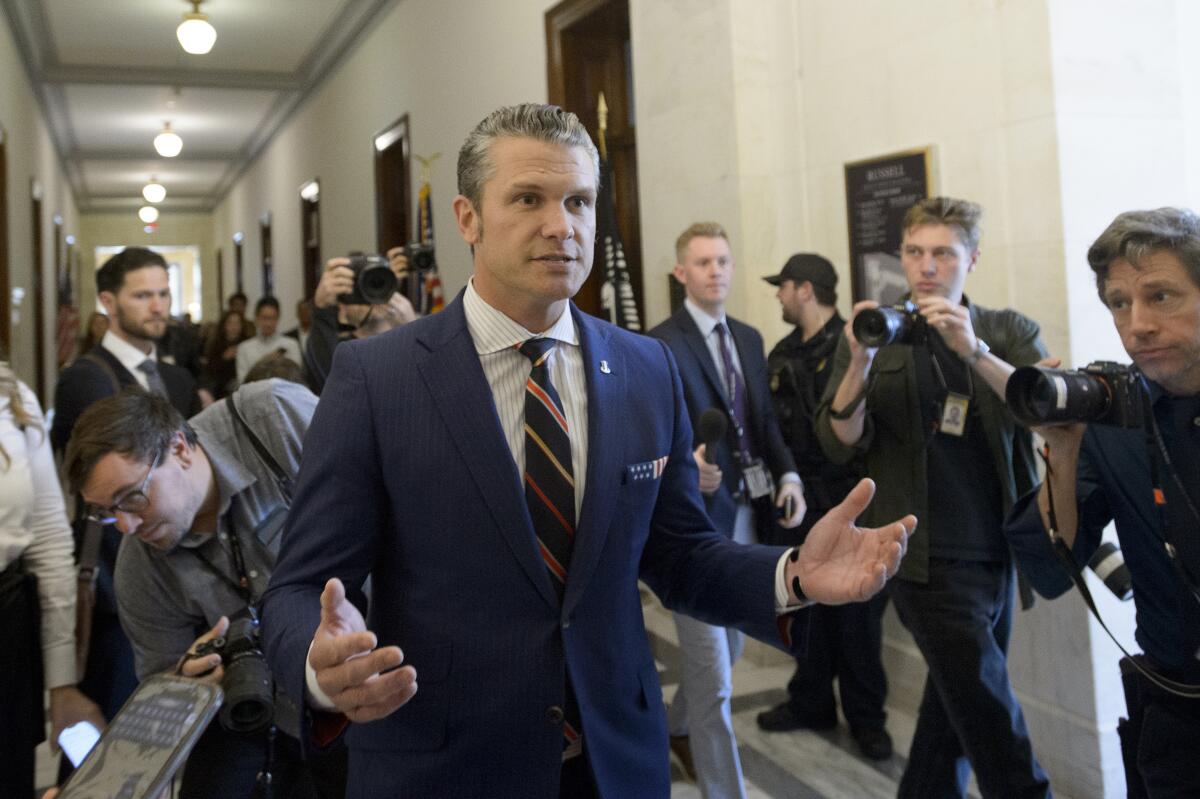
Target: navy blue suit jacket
<point x="703" y="388"/>
<point x="407" y="477"/>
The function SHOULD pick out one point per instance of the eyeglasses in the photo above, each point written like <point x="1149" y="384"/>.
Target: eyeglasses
<point x="135" y="501"/>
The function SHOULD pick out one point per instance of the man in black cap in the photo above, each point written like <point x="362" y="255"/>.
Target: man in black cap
<point x="843" y="641"/>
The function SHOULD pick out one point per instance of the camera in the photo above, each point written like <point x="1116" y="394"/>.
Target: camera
<point x="374" y="281"/>
<point x="1102" y="392"/>
<point x="898" y="324"/>
<point x="420" y="257"/>
<point x="249" y="690"/>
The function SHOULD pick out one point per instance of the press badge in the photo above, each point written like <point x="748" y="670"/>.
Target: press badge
<point x="954" y="414"/>
<point x="758" y="480"/>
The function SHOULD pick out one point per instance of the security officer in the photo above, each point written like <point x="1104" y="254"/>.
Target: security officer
<point x="844" y="641"/>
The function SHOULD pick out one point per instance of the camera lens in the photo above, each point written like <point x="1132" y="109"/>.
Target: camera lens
<point x="1051" y="396"/>
<point x="249" y="694"/>
<point x="876" y="327"/>
<point x="376" y="283"/>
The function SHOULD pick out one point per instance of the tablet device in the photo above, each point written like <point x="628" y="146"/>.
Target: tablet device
<point x="147" y="741"/>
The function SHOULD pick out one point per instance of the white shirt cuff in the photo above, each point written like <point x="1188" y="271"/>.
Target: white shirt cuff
<point x="316" y="697"/>
<point x="789" y="477"/>
<point x="782" y="597"/>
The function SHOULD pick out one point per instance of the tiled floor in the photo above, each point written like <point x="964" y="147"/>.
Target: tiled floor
<point x="794" y="765"/>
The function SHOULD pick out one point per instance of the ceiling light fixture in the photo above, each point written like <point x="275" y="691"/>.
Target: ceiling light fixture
<point x="148" y="214"/>
<point x="196" y="35"/>
<point x="168" y="144"/>
<point x="154" y="192"/>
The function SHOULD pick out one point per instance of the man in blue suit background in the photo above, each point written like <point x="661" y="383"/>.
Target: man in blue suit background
<point x="505" y="471"/>
<point x="722" y="366"/>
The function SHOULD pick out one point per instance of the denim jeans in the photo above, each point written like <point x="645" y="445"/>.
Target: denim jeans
<point x="969" y="717"/>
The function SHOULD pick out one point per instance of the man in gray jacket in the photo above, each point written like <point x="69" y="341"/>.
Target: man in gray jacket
<point x="201" y="505"/>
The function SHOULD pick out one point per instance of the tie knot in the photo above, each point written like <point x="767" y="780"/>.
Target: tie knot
<point x="148" y="366"/>
<point x="536" y="349"/>
<point x="722" y="331"/>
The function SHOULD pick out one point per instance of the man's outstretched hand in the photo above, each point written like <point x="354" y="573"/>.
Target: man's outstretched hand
<point x="364" y="682"/>
<point x="841" y="562"/>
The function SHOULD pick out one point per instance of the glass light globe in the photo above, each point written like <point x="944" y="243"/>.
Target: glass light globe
<point x="195" y="34"/>
<point x="168" y="144"/>
<point x="148" y="214"/>
<point x="154" y="192"/>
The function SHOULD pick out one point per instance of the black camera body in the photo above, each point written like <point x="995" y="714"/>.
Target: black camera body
<point x="374" y="281"/>
<point x="420" y="257"/>
<point x="249" y="689"/>
<point x="897" y="324"/>
<point x="1102" y="392"/>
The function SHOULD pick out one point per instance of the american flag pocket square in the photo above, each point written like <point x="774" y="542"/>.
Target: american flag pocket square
<point x="650" y="470"/>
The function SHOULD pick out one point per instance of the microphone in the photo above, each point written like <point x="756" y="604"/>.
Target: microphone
<point x="712" y="426"/>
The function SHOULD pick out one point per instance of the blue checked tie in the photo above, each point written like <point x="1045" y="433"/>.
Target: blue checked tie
<point x="550" y="495"/>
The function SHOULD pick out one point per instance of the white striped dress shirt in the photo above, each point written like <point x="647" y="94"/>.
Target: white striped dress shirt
<point x="496" y="339"/>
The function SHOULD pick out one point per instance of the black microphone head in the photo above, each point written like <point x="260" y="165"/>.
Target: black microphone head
<point x="712" y="425"/>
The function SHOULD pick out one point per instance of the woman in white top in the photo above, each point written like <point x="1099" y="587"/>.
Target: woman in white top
<point x="35" y="539"/>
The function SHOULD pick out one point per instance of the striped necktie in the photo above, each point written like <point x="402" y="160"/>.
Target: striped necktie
<point x="550" y="495"/>
<point x="549" y="482"/>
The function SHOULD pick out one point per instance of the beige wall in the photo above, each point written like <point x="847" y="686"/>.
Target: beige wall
<point x="124" y="229"/>
<point x="31" y="157"/>
<point x="445" y="63"/>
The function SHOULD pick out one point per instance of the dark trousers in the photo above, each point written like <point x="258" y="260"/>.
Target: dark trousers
<point x="227" y="764"/>
<point x="22" y="726"/>
<point x="1168" y="743"/>
<point x="969" y="717"/>
<point x="843" y="642"/>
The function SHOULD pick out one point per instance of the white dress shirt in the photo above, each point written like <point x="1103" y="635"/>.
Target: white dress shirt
<point x="33" y="525"/>
<point x="496" y="340"/>
<point x="129" y="356"/>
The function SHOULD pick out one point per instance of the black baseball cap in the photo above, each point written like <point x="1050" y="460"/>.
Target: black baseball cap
<point x="806" y="266"/>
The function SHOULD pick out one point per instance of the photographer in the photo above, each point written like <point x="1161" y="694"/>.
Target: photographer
<point x="201" y="505"/>
<point x="925" y="408"/>
<point x="335" y="321"/>
<point x="1147" y="266"/>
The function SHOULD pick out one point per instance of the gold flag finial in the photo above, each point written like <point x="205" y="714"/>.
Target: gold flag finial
<point x="426" y="165"/>
<point x="602" y="113"/>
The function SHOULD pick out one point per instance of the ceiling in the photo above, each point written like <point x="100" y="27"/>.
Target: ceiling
<point x="109" y="73"/>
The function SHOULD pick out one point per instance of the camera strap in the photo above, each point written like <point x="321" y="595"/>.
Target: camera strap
<point x="1067" y="558"/>
<point x="1157" y="446"/>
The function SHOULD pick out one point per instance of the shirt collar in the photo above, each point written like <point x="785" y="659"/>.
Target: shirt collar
<point x="129" y="356"/>
<point x="492" y="331"/>
<point x="703" y="319"/>
<point x="230" y="474"/>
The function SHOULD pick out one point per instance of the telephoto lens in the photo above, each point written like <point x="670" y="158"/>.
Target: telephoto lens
<point x="1101" y="392"/>
<point x="1109" y="565"/>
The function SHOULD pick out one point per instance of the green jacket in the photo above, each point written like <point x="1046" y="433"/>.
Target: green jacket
<point x="893" y="442"/>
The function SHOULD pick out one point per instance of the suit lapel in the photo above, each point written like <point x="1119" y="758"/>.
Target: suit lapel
<point x="455" y="379"/>
<point x="699" y="348"/>
<point x="605" y="392"/>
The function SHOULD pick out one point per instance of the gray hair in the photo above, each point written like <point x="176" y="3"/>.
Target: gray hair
<point x="547" y="123"/>
<point x="1134" y="235"/>
<point x="961" y="215"/>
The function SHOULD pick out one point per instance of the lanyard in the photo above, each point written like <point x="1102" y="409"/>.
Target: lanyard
<point x="242" y="584"/>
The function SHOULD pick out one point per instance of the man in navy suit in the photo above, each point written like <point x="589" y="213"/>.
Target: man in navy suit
<point x="722" y="366"/>
<point x="505" y="471"/>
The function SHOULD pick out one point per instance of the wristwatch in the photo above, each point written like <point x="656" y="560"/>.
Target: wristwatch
<point x="981" y="349"/>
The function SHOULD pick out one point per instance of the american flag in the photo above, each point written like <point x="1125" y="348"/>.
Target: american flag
<point x="616" y="293"/>
<point x="432" y="300"/>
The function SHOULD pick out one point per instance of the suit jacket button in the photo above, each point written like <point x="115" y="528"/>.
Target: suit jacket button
<point x="554" y="715"/>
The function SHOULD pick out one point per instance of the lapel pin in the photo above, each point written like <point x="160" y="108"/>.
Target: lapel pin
<point x="604" y="368"/>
